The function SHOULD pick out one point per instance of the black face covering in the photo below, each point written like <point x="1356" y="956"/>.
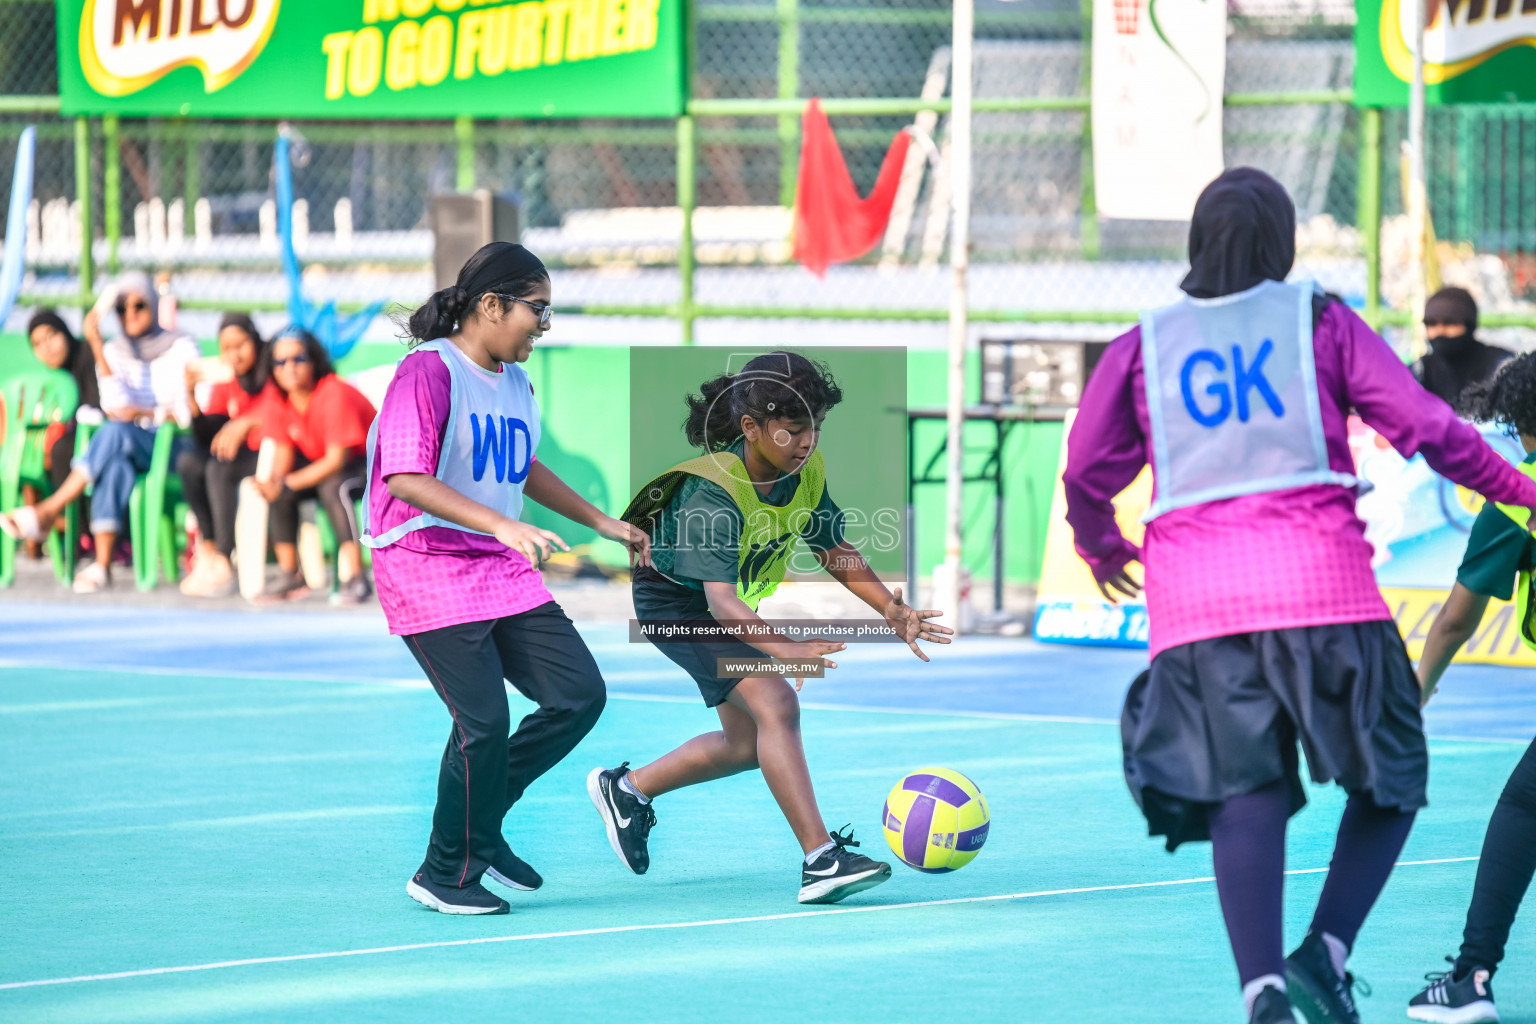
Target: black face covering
<point x="1243" y="232"/>
<point x="1454" y="364"/>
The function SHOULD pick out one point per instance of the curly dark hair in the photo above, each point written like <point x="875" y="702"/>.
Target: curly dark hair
<point x="1508" y="398"/>
<point x="775" y="385"/>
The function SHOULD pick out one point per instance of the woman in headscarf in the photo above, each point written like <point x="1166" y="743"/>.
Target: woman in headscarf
<point x="141" y="374"/>
<point x="57" y="348"/>
<point x="1266" y="625"/>
<point x="1456" y="360"/>
<point x="223" y="449"/>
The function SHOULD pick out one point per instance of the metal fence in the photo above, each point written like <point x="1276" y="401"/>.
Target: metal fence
<point x="604" y="200"/>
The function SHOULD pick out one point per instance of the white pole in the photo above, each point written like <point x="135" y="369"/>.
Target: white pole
<point x="959" y="260"/>
<point x="1417" y="200"/>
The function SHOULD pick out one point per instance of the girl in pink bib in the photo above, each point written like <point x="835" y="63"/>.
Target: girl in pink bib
<point x="451" y="457"/>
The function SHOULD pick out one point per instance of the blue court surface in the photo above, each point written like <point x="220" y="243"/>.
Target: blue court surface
<point x="212" y="817"/>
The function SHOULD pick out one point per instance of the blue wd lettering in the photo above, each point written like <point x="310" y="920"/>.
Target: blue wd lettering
<point x="1218" y="389"/>
<point x="517" y="474"/>
<point x="495" y="446"/>
<point x="1244" y="380"/>
<point x="499" y="445"/>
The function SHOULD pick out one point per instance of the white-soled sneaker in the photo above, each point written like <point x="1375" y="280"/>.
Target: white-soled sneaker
<point x="1449" y="999"/>
<point x="445" y="899"/>
<point x="838" y="874"/>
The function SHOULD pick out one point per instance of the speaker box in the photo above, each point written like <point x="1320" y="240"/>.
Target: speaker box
<point x="462" y="223"/>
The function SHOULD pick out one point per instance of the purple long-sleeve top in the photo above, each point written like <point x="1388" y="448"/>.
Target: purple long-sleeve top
<point x="1275" y="560"/>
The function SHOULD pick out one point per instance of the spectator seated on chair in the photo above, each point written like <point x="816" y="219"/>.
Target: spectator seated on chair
<point x="141" y="376"/>
<point x="225" y="438"/>
<point x="57" y="348"/>
<point x="320" y="425"/>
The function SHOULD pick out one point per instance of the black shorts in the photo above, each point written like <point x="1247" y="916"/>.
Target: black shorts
<point x="659" y="598"/>
<point x="1219" y="718"/>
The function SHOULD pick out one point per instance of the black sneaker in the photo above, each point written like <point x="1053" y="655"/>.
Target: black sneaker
<point x="1452" y="1000"/>
<point x="1272" y="1007"/>
<point x="838" y="874"/>
<point x="472" y="899"/>
<point x="512" y="871"/>
<point x="285" y="586"/>
<point x="1315" y="987"/>
<point x="628" y="821"/>
<point x="353" y="592"/>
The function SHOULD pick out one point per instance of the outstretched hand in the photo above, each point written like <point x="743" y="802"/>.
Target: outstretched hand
<point x="534" y="543"/>
<point x="1124" y="584"/>
<point x="912" y="625"/>
<point x="631" y="536"/>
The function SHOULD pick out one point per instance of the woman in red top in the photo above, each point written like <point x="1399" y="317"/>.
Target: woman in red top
<point x="320" y="424"/>
<point x="224" y="453"/>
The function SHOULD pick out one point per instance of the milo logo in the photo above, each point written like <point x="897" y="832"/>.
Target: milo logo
<point x="127" y="45"/>
<point x="1461" y="34"/>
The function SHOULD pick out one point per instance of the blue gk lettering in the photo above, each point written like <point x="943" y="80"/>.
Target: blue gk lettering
<point x="1244" y="379"/>
<point x="498" y="445"/>
<point x="1218" y="390"/>
<point x="1253" y="379"/>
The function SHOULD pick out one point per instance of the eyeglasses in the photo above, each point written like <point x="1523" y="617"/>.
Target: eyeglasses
<point x="545" y="310"/>
<point x="299" y="359"/>
<point x="137" y="306"/>
<point x="1444" y="323"/>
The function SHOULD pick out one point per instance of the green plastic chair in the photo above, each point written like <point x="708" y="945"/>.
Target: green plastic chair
<point x="152" y="506"/>
<point x="33" y="402"/>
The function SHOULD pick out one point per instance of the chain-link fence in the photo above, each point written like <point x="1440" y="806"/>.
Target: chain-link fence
<point x="599" y="199"/>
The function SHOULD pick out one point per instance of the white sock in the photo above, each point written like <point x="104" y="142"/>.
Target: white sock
<point x="823" y="848"/>
<point x="1337" y="952"/>
<point x="1253" y="988"/>
<point x="633" y="790"/>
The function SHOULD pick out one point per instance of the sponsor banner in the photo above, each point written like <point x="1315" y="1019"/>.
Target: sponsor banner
<point x="1417" y="523"/>
<point x="1158" y="72"/>
<point x="371" y="58"/>
<point x="1475" y="51"/>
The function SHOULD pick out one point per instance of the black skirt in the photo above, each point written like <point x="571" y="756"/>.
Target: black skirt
<point x="658" y="598"/>
<point x="1219" y="718"/>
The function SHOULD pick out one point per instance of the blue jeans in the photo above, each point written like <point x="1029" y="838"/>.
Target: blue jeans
<point x="112" y="462"/>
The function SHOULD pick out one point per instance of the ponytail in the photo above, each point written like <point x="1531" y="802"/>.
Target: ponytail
<point x="439" y="315"/>
<point x="501" y="268"/>
<point x="712" y="424"/>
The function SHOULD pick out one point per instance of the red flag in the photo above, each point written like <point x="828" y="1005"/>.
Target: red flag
<point x="832" y="224"/>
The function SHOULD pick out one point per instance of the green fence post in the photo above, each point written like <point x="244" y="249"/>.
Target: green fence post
<point x="687" y="199"/>
<point x="191" y="184"/>
<point x="789" y="89"/>
<point x="83" y="194"/>
<point x="1368" y="211"/>
<point x="464" y="131"/>
<point x="112" y="188"/>
<point x="1089" y="211"/>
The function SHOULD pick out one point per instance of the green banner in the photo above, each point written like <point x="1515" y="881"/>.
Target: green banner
<point x="1475" y="51"/>
<point x="364" y="59"/>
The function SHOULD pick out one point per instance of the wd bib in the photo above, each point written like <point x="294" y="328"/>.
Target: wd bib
<point x="488" y="442"/>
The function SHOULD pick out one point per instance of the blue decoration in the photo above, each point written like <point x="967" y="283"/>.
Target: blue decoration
<point x="15" y="263"/>
<point x="336" y="332"/>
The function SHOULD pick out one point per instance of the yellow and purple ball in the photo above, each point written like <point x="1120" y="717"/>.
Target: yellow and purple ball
<point x="936" y="820"/>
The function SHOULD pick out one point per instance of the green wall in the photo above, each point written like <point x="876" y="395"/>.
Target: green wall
<point x="584" y="394"/>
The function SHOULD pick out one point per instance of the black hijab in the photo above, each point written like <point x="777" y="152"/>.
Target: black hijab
<point x="1454" y="364"/>
<point x="80" y="363"/>
<point x="1243" y="232"/>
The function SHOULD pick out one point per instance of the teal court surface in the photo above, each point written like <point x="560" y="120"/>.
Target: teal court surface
<point x="212" y="817"/>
